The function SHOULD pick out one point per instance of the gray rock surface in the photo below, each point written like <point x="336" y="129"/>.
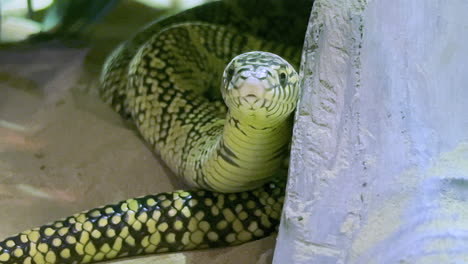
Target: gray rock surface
<point x="379" y="163"/>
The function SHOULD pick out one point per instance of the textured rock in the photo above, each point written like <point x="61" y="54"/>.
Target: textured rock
<point x="379" y="164"/>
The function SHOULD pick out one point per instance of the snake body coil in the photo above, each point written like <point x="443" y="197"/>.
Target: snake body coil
<point x="166" y="80"/>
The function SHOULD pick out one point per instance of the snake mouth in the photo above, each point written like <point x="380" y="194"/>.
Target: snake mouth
<point x="251" y="98"/>
<point x="252" y="102"/>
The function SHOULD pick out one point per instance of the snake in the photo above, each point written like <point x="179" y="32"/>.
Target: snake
<point x="212" y="91"/>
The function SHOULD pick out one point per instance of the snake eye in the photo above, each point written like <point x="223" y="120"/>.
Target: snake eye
<point x="282" y="79"/>
<point x="230" y="73"/>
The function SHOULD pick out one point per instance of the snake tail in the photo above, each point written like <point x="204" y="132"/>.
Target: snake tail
<point x="166" y="222"/>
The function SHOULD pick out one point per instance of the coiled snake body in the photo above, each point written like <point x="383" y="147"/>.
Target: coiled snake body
<point x="166" y="79"/>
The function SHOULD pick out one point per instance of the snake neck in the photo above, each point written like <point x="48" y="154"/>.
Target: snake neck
<point x="244" y="156"/>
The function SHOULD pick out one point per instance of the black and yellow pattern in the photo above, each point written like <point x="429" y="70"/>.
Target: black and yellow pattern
<point x="166" y="79"/>
<point x="167" y="222"/>
<point x="194" y="136"/>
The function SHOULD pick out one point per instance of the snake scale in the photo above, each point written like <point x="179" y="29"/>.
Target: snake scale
<point x="166" y="80"/>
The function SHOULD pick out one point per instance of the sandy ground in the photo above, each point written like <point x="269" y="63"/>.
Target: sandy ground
<point x="62" y="151"/>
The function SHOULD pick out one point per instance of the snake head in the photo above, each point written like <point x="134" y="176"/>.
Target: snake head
<point x="260" y="86"/>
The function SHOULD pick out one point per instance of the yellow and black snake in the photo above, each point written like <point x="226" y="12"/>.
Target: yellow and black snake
<point x="166" y="79"/>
